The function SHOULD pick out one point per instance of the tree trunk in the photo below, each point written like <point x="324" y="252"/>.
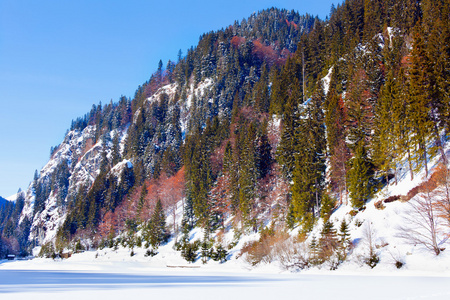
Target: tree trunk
<point x="410" y="165"/>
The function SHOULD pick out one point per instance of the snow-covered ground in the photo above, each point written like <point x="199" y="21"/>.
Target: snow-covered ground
<point x="120" y="278"/>
<point x="115" y="274"/>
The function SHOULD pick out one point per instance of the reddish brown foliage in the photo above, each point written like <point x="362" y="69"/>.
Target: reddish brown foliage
<point x="338" y="172"/>
<point x="275" y="191"/>
<point x="221" y="197"/>
<point x="269" y="54"/>
<point x="87" y="146"/>
<point x="216" y="159"/>
<point x="237" y="41"/>
<point x="108" y="225"/>
<point x="266" y="53"/>
<point x="169" y="190"/>
<point x="292" y="24"/>
<point x="379" y="205"/>
<point x="437" y="178"/>
<point x="406" y="61"/>
<point x="391" y="199"/>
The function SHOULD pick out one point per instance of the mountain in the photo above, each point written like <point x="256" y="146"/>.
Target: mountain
<point x="281" y="125"/>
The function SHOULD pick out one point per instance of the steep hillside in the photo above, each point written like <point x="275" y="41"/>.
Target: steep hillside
<point x="281" y="125"/>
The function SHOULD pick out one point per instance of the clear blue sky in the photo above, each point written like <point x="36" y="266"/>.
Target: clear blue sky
<point x="57" y="58"/>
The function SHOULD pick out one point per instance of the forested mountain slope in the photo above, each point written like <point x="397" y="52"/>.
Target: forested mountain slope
<point x="268" y="126"/>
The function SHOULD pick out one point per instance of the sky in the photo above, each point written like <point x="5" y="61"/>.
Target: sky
<point x="58" y="58"/>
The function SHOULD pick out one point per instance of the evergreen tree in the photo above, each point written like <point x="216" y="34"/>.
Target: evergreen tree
<point x="314" y="251"/>
<point x="287" y="148"/>
<point x="157" y="226"/>
<point x="384" y="140"/>
<point x="419" y="99"/>
<point x="115" y="150"/>
<point x="326" y="207"/>
<point x="205" y="247"/>
<point x="360" y="177"/>
<point x="309" y="172"/>
<point x="248" y="172"/>
<point x="328" y="242"/>
<point x="344" y="240"/>
<point x="142" y="197"/>
<point x="264" y="154"/>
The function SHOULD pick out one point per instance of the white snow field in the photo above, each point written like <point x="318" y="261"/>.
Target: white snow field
<point x="120" y="277"/>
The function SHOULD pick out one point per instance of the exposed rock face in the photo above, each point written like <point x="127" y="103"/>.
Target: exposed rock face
<point x="82" y="158"/>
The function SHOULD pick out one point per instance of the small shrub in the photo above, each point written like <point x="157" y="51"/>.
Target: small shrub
<point x="292" y="254"/>
<point x="150" y="252"/>
<point x="189" y="251"/>
<point x="261" y="250"/>
<point x="220" y="254"/>
<point x="358" y="223"/>
<point x="47" y="251"/>
<point x="372" y="260"/>
<point x="399" y="264"/>
<point x="379" y="205"/>
<point x="412" y="192"/>
<point x="139" y="241"/>
<point x="391" y="199"/>
<point x="79" y="247"/>
<point x="353" y="212"/>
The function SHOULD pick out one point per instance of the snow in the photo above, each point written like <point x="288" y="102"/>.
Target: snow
<point x="82" y="277"/>
<point x="326" y="81"/>
<point x="169" y="89"/>
<point x="12" y="197"/>
<point x="199" y="91"/>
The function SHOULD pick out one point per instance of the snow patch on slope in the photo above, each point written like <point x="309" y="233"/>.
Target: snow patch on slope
<point x="326" y="80"/>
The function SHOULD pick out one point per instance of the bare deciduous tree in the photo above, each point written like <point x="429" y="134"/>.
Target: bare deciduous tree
<point x="443" y="202"/>
<point x="422" y="223"/>
<point x="369" y="236"/>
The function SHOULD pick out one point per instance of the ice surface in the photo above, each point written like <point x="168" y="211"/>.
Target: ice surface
<point x="44" y="279"/>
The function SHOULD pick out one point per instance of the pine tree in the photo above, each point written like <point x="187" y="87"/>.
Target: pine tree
<point x="338" y="151"/>
<point x="261" y="93"/>
<point x="314" y="251"/>
<point x="419" y="99"/>
<point x="157" y="226"/>
<point x="328" y="242"/>
<point x="221" y="253"/>
<point x="115" y="150"/>
<point x="248" y="172"/>
<point x="205" y="247"/>
<point x="344" y="240"/>
<point x="360" y="177"/>
<point x="309" y="172"/>
<point x="288" y="145"/>
<point x="327" y="206"/>
<point x="385" y="141"/>
<point x="264" y="154"/>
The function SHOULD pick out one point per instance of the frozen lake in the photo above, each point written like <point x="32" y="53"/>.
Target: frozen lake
<point x="199" y="284"/>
